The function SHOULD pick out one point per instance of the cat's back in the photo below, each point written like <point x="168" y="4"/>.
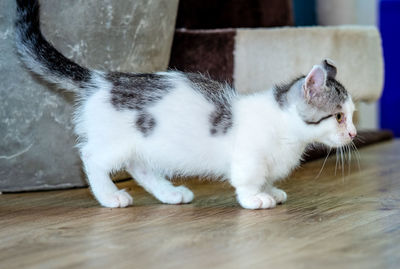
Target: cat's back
<point x="137" y="91"/>
<point x="164" y="116"/>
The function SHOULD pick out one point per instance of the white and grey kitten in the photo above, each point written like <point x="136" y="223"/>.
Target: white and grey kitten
<point x="170" y="123"/>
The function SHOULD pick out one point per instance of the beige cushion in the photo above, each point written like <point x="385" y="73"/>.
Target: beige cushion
<point x="264" y="57"/>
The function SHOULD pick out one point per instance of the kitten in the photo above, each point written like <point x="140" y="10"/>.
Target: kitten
<point x="170" y="123"/>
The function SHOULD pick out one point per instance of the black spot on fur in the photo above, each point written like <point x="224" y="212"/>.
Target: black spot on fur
<point x="137" y="91"/>
<point x="208" y="87"/>
<point x="338" y="93"/>
<point x="221" y="121"/>
<point x="219" y="95"/>
<point x="145" y="123"/>
<point x="330" y="69"/>
<point x="280" y="91"/>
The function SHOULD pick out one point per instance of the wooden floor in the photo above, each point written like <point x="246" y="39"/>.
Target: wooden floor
<point x="329" y="222"/>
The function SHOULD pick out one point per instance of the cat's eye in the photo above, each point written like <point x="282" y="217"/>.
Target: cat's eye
<point x="339" y="117"/>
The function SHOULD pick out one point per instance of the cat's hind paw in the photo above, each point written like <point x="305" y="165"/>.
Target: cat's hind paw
<point x="259" y="201"/>
<point x="279" y="195"/>
<point x="119" y="198"/>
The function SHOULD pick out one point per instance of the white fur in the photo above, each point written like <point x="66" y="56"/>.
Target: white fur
<point x="264" y="145"/>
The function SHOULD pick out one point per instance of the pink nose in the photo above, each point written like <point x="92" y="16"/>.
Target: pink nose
<point x="352" y="135"/>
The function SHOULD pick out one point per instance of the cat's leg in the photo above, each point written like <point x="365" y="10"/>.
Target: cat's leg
<point x="160" y="187"/>
<point x="279" y="195"/>
<point x="248" y="178"/>
<point x="101" y="185"/>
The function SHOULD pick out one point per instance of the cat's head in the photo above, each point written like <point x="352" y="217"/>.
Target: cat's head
<point x="326" y="106"/>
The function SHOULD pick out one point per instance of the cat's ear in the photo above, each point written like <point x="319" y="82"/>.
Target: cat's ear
<point x="314" y="83"/>
<point x="330" y="68"/>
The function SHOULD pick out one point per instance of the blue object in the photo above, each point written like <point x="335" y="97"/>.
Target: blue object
<point x="304" y="12"/>
<point x="389" y="23"/>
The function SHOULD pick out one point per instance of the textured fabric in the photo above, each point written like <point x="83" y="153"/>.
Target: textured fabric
<point x="256" y="59"/>
<point x="264" y="57"/>
<point x="213" y="14"/>
<point x="206" y="51"/>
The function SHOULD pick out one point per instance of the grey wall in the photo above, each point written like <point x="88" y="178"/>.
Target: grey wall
<point x="37" y="146"/>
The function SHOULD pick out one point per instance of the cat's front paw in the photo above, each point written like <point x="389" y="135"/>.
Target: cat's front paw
<point x="176" y="195"/>
<point x="279" y="195"/>
<point x="259" y="201"/>
<point x="119" y="198"/>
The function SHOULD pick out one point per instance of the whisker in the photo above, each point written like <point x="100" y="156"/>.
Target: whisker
<point x="357" y="154"/>
<point x="323" y="165"/>
<point x="361" y="138"/>
<point x="336" y="164"/>
<point x="349" y="151"/>
<point x="341" y="156"/>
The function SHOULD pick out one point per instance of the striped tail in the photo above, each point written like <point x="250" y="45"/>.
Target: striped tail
<point x="40" y="56"/>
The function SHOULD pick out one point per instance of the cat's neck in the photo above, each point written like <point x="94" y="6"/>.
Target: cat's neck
<point x="268" y="112"/>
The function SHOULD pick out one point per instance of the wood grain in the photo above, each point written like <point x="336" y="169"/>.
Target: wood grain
<point x="350" y="221"/>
